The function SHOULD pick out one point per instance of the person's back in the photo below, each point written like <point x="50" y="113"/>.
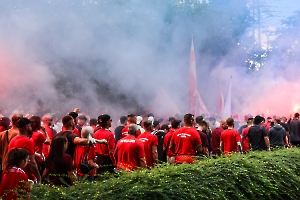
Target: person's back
<point x="230" y="137"/>
<point x="256" y="135"/>
<point x="150" y="143"/>
<point x="129" y="152"/>
<point x="186" y="142"/>
<point x="294" y="127"/>
<point x="277" y="135"/>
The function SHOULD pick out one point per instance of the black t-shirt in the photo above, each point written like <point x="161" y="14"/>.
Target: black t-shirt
<point x="256" y="136"/>
<point x="285" y="126"/>
<point x="294" y="130"/>
<point x="277" y="136"/>
<point x="70" y="136"/>
<point x="118" y="132"/>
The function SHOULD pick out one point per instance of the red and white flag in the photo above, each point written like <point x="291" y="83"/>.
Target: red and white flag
<point x="227" y="106"/>
<point x="200" y="107"/>
<point x="220" y="104"/>
<point x="192" y="81"/>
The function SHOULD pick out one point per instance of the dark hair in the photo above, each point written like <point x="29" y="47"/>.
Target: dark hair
<point x="55" y="158"/>
<point x="131" y="117"/>
<point x="66" y="119"/>
<point x="257" y="120"/>
<point x="187" y="118"/>
<point x="147" y="124"/>
<point x="296" y="115"/>
<point x="123" y="119"/>
<point x="203" y="123"/>
<point x="277" y="121"/>
<point x="230" y="121"/>
<point x="175" y="123"/>
<point x="198" y="119"/>
<point x="36" y="125"/>
<point x="164" y="127"/>
<point x="150" y="115"/>
<point x="15" y="156"/>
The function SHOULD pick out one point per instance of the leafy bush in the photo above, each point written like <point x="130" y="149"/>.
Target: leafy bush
<point x="257" y="175"/>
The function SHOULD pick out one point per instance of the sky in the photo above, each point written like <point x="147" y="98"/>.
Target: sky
<point x="60" y="54"/>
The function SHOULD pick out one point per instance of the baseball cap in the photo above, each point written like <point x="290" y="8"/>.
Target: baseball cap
<point x="23" y="122"/>
<point x="103" y="118"/>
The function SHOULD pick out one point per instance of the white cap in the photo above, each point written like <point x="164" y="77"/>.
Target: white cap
<point x="139" y="119"/>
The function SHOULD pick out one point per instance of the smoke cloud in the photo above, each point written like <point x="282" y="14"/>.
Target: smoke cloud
<point x="114" y="57"/>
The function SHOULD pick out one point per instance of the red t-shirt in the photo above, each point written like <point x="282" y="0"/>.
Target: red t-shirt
<point x="79" y="155"/>
<point x="103" y="149"/>
<point x="128" y="152"/>
<point x="15" y="180"/>
<point x="167" y="141"/>
<point x="185" y="141"/>
<point x="246" y="146"/>
<point x="230" y="137"/>
<point x="124" y="132"/>
<point x="38" y="139"/>
<point x="21" y="141"/>
<point x="215" y="140"/>
<point x="149" y="141"/>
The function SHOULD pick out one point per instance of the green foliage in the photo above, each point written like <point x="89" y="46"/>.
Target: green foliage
<point x="257" y="175"/>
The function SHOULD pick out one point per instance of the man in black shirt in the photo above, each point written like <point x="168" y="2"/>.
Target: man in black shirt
<point x="258" y="137"/>
<point x="294" y="128"/>
<point x="118" y="130"/>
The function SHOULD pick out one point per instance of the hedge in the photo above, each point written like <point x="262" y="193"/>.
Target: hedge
<point x="256" y="175"/>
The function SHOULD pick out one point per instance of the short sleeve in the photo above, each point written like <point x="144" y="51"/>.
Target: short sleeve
<point x="237" y="137"/>
<point x="111" y="141"/>
<point x="155" y="141"/>
<point x="140" y="149"/>
<point x="71" y="136"/>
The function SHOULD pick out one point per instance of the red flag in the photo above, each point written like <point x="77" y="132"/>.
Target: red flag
<point x="220" y="104"/>
<point x="192" y="81"/>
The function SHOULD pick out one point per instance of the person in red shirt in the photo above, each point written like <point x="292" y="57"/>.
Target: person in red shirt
<point x="81" y="151"/>
<point x="186" y="142"/>
<point x="175" y="124"/>
<point x="245" y="139"/>
<point x="230" y="139"/>
<point x="15" y="183"/>
<point x="131" y="119"/>
<point x="39" y="139"/>
<point x="129" y="153"/>
<point x="150" y="144"/>
<point x="23" y="141"/>
<point x="215" y="138"/>
<point x="104" y="152"/>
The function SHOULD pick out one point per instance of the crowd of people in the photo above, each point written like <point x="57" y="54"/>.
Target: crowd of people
<point x="34" y="150"/>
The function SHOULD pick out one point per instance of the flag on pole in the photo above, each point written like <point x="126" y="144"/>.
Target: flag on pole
<point x="200" y="107"/>
<point x="163" y="105"/>
<point x="227" y="106"/>
<point x="192" y="81"/>
<point x="220" y="104"/>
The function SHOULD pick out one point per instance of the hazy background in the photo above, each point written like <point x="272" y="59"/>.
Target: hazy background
<point x="115" y="57"/>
